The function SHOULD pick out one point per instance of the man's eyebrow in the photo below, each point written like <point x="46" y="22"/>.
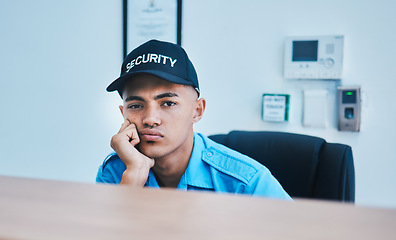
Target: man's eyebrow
<point x="159" y="96"/>
<point x="132" y="98"/>
<point x="165" y="95"/>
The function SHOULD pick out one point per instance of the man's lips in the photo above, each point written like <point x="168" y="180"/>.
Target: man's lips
<point x="150" y="135"/>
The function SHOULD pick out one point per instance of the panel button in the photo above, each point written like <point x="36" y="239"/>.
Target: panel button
<point x="329" y="62"/>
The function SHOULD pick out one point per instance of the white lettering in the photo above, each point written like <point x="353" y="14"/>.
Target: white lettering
<point x="172" y="62"/>
<point x="130" y="65"/>
<point x="150" y="57"/>
<point x="165" y="57"/>
<point x="153" y="57"/>
<point x="145" y="61"/>
<point x="136" y="62"/>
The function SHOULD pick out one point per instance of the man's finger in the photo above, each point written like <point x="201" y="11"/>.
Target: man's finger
<point x="131" y="132"/>
<point x="124" y="125"/>
<point x="132" y="136"/>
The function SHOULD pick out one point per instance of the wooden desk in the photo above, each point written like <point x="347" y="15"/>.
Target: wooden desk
<point x="40" y="209"/>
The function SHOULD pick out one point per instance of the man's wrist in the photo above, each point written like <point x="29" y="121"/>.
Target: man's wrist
<point x="134" y="177"/>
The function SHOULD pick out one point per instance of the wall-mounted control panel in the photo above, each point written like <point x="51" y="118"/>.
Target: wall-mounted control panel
<point x="317" y="57"/>
<point x="349" y="108"/>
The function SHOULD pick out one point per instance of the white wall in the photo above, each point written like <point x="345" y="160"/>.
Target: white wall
<point x="57" y="57"/>
<point x="237" y="48"/>
<point x="56" y="60"/>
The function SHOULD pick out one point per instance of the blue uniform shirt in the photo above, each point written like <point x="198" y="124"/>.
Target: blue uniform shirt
<point x="212" y="167"/>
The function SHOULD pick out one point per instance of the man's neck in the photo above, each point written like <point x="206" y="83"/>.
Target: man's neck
<point x="169" y="169"/>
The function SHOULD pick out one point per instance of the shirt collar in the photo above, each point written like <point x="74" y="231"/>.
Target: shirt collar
<point x="198" y="172"/>
<point x="151" y="180"/>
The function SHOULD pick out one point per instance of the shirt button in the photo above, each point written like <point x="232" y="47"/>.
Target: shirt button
<point x="209" y="154"/>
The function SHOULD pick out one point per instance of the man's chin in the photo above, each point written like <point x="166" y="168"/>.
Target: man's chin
<point x="150" y="150"/>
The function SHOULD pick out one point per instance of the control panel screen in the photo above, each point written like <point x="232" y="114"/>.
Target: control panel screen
<point x="305" y="51"/>
<point x="349" y="96"/>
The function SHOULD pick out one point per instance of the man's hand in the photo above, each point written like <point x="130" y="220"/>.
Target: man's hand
<point x="137" y="164"/>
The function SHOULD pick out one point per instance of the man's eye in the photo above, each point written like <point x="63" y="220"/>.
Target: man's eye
<point x="168" y="104"/>
<point x="134" y="106"/>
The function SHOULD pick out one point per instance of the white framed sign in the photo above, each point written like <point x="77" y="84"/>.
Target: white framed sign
<point x="276" y="107"/>
<point x="151" y="19"/>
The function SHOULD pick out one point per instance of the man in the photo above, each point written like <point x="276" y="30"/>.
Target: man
<point x="156" y="145"/>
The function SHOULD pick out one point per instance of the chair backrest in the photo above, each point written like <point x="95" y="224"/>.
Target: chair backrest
<point x="306" y="166"/>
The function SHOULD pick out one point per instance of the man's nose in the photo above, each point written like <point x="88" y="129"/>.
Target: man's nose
<point x="152" y="116"/>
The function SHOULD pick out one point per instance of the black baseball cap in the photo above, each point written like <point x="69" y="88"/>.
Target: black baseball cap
<point x="162" y="59"/>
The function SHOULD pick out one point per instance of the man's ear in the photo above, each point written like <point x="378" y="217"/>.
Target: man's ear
<point x="122" y="110"/>
<point x="199" y="109"/>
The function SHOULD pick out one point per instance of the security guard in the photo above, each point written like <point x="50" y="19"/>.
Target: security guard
<point x="156" y="145"/>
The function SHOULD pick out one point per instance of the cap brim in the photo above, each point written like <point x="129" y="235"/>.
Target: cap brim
<point x="118" y="84"/>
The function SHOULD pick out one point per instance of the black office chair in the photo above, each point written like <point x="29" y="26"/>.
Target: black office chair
<point x="306" y="166"/>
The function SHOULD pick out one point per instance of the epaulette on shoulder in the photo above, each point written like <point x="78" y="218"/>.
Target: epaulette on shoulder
<point x="231" y="163"/>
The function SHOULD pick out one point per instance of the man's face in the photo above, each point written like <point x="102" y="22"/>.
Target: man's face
<point x="163" y="113"/>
